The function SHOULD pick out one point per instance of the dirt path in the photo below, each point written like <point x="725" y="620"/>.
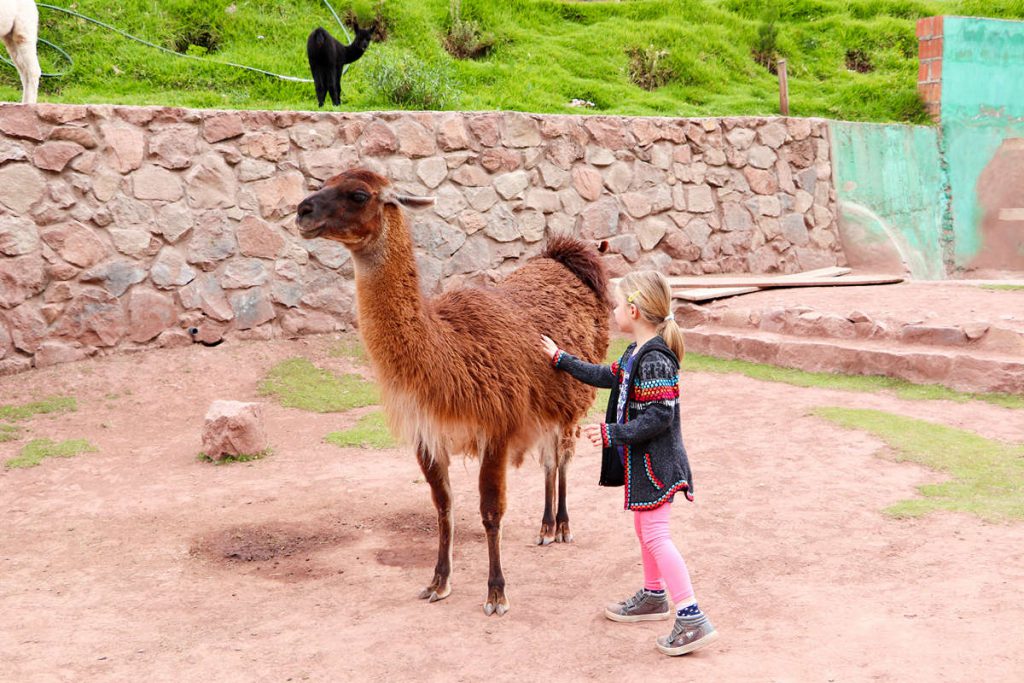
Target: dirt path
<point x="112" y="565"/>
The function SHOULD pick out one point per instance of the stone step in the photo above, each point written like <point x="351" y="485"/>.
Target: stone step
<point x="958" y="368"/>
<point x="1001" y="336"/>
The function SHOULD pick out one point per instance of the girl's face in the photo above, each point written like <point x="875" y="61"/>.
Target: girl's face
<point x="625" y="313"/>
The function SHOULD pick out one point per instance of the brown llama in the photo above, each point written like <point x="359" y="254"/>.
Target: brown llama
<point x="460" y="373"/>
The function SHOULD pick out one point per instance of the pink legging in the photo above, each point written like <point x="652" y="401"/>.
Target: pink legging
<point x="661" y="558"/>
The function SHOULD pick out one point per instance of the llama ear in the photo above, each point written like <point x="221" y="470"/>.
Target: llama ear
<point x="390" y="196"/>
<point x="602" y="246"/>
<point x="414" y="202"/>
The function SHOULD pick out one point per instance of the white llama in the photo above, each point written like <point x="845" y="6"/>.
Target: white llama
<point x="19" y="27"/>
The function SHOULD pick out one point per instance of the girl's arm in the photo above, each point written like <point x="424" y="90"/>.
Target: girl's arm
<point x="601" y="376"/>
<point x="657" y="388"/>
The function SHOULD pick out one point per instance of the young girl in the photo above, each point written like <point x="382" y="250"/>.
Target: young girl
<point x="643" y="450"/>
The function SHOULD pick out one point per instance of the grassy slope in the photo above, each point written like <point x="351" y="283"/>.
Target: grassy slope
<point x="548" y="52"/>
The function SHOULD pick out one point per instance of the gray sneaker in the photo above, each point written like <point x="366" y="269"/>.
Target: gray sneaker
<point x="643" y="606"/>
<point x="687" y="635"/>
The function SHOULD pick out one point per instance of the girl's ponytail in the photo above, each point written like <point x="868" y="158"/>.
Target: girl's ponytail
<point x="673" y="337"/>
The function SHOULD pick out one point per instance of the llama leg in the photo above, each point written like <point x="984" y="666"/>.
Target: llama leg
<point x="22" y="49"/>
<point x="321" y="88"/>
<point x="334" y="85"/>
<point x="492" y="508"/>
<point x="567" y="448"/>
<point x="549" y="455"/>
<point x="436" y="473"/>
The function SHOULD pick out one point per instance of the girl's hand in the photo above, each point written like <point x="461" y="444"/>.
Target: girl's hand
<point x="550" y="347"/>
<point x="593" y="432"/>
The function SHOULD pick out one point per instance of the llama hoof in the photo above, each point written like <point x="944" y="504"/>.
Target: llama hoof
<point x="496" y="603"/>
<point x="500" y="609"/>
<point x="546" y="540"/>
<point x="433" y="593"/>
<point x="563" y="535"/>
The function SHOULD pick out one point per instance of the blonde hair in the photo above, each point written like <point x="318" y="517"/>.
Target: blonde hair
<point x="649" y="291"/>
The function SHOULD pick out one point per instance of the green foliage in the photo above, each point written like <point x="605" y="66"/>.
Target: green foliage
<point x="35" y="450"/>
<point x="9" y="432"/>
<point x="297" y="383"/>
<point x="766" y="46"/>
<point x="407" y="82"/>
<point x="546" y="52"/>
<point x="350" y="347"/>
<point x="1004" y="288"/>
<point x="242" y="457"/>
<point x="649" y="67"/>
<point x="371" y="431"/>
<point x="464" y="38"/>
<point x="987" y="475"/>
<point x="824" y="380"/>
<point x="51" y="404"/>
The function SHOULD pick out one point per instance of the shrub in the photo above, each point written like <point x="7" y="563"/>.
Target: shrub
<point x="859" y="61"/>
<point x="410" y="83"/>
<point x="766" y="45"/>
<point x="649" y="67"/>
<point x="465" y="39"/>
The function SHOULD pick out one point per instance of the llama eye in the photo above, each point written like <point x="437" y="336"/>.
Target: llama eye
<point x="360" y="197"/>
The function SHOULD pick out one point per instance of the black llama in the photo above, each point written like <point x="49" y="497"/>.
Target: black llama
<point x="327" y="58"/>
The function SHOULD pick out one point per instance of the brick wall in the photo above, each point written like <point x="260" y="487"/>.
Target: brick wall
<point x="929" y="73"/>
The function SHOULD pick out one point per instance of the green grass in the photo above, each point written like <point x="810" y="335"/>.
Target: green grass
<point x="1004" y="288"/>
<point x="987" y="476"/>
<point x="371" y="431"/>
<point x="350" y="347"/>
<point x="695" y="362"/>
<point x="35" y="450"/>
<point x="242" y="457"/>
<point x="9" y="432"/>
<point x="546" y="53"/>
<point x="297" y="383"/>
<point x="51" y="404"/>
<point x="866" y="383"/>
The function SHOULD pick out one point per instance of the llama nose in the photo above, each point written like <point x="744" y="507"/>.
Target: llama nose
<point x="305" y="208"/>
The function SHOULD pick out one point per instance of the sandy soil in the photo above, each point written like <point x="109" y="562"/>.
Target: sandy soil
<point x="140" y="563"/>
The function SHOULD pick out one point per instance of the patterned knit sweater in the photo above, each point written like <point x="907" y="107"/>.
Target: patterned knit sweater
<point x="656" y="466"/>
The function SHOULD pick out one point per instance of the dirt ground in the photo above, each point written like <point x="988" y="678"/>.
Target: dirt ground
<point x="140" y="563"/>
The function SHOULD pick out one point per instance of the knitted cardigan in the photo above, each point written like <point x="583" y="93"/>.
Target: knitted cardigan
<point x="656" y="466"/>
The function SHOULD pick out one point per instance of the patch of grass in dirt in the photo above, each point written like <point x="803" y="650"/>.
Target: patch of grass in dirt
<point x="987" y="475"/>
<point x="866" y="383"/>
<point x="350" y="347"/>
<point x="50" y="404"/>
<point x="371" y="431"/>
<point x="35" y="450"/>
<point x="1004" y="288"/>
<point x="9" y="432"/>
<point x="242" y="457"/>
<point x="297" y="383"/>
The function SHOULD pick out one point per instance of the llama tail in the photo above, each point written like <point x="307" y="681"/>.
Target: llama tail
<point x="318" y="37"/>
<point x="583" y="261"/>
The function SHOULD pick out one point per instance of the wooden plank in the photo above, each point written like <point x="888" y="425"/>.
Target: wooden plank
<point x="739" y="280"/>
<point x="847" y="281"/>
<point x="753" y="280"/>
<point x="708" y="293"/>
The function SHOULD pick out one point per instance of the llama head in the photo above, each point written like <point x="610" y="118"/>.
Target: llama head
<point x="363" y="37"/>
<point x="349" y="208"/>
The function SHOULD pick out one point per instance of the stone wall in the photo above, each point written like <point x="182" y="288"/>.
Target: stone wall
<point x="121" y="227"/>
